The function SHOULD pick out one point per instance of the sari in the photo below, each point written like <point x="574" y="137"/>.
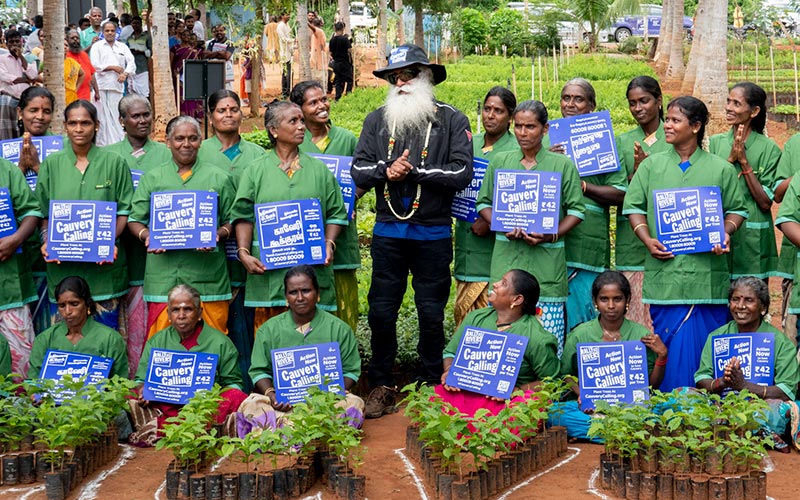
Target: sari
<point x="180" y="54"/>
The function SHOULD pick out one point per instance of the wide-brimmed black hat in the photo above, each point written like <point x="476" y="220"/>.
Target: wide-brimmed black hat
<point x="410" y="55"/>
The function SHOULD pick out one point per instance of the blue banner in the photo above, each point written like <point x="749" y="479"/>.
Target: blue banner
<point x="689" y="220"/>
<point x="8" y="221"/>
<point x="756" y="353"/>
<point x="136" y="175"/>
<point x="57" y="364"/>
<point x="615" y="372"/>
<point x="45" y="145"/>
<point x="487" y="362"/>
<point x="181" y="220"/>
<point x="529" y="200"/>
<point x="340" y="168"/>
<point x="463" y="207"/>
<point x="82" y="231"/>
<point x="296" y="369"/>
<point x="291" y="233"/>
<point x="589" y="142"/>
<point x="174" y="376"/>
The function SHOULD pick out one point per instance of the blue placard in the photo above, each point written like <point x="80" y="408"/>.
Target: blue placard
<point x="82" y="231"/>
<point x="174" y="376"/>
<point x="463" y="207"/>
<point x="291" y="233"/>
<point x="181" y="220"/>
<point x="340" y="168"/>
<point x="136" y="175"/>
<point x="296" y="369"/>
<point x="8" y="221"/>
<point x="487" y="362"/>
<point x="615" y="372"/>
<point x="529" y="200"/>
<point x="756" y="353"/>
<point x="57" y="364"/>
<point x="589" y="142"/>
<point x="45" y="145"/>
<point x="689" y="220"/>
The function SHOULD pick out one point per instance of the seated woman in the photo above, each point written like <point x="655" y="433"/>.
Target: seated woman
<point x="748" y="301"/>
<point x="611" y="295"/>
<point x="513" y="302"/>
<point x="78" y="332"/>
<point x="303" y="324"/>
<point x="188" y="333"/>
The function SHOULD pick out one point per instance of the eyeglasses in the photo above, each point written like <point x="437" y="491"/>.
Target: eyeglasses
<point x="404" y="75"/>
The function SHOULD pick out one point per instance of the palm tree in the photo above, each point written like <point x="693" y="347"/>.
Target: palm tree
<point x="344" y="13"/>
<point x="676" y="68"/>
<point x="383" y="28"/>
<point x="304" y="40"/>
<point x="163" y="91"/>
<point x="53" y="45"/>
<point x="711" y="81"/>
<point x="661" y="58"/>
<point x="401" y="32"/>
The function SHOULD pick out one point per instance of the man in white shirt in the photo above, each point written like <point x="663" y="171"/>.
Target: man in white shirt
<point x="220" y="48"/>
<point x="286" y="43"/>
<point x="113" y="62"/>
<point x="16" y="75"/>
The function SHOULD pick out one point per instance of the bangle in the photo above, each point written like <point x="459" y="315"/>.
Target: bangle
<point x="242" y="249"/>
<point x="745" y="172"/>
<point x="637" y="226"/>
<point x="712" y="384"/>
<point x="765" y="393"/>
<point x="227" y="231"/>
<point x="269" y="391"/>
<point x="583" y="186"/>
<point x="139" y="236"/>
<point x="735" y="226"/>
<point x="555" y="237"/>
<point x="333" y="243"/>
<point x="661" y="363"/>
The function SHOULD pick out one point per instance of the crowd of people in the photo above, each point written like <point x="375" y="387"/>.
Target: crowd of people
<point x="416" y="153"/>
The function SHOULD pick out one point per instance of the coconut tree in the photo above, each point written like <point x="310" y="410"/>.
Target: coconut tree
<point x="255" y="63"/>
<point x="53" y="45"/>
<point x="401" y="32"/>
<point x="344" y="13"/>
<point x="383" y="28"/>
<point x="304" y="40"/>
<point x="690" y="75"/>
<point x="675" y="67"/>
<point x="661" y="58"/>
<point x="163" y="90"/>
<point x="711" y="80"/>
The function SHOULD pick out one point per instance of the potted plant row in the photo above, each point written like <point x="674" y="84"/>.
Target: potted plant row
<point x="315" y="436"/>
<point x="72" y="423"/>
<point x="476" y="457"/>
<point x="684" y="444"/>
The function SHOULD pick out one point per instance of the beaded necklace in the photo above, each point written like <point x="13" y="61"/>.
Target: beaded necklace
<point x="423" y="156"/>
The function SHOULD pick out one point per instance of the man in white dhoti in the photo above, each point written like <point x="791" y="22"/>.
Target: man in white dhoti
<point x="113" y="62"/>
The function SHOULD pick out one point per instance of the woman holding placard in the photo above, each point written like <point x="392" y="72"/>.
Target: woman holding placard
<point x="474" y="241"/>
<point x="78" y="332"/>
<point x="611" y="295"/>
<point x="588" y="248"/>
<point x="186" y="333"/>
<point x="748" y="302"/>
<point x="756" y="157"/>
<point x="203" y="268"/>
<point x="513" y="310"/>
<point x="540" y="254"/>
<point x="687" y="291"/>
<point x="645" y="105"/>
<point x="83" y="171"/>
<point x="284" y="174"/>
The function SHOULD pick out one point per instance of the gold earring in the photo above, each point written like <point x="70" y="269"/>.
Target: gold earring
<point x="512" y="306"/>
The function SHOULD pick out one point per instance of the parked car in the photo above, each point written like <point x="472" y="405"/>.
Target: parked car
<point x="361" y="16"/>
<point x="628" y="26"/>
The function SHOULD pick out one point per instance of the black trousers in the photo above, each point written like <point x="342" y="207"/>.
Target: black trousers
<point x="429" y="264"/>
<point x="286" y="79"/>
<point x="342" y="78"/>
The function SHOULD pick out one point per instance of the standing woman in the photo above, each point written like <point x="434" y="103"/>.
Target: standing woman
<point x="322" y="137"/>
<point x="645" y="105"/>
<point x="542" y="255"/>
<point x="687" y="293"/>
<point x="284" y="173"/>
<point x="756" y="157"/>
<point x="588" y="247"/>
<point x="204" y="268"/>
<point x="83" y="171"/>
<point x="474" y="241"/>
<point x="35" y="112"/>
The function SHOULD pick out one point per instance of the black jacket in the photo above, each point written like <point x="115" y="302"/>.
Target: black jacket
<point x="447" y="169"/>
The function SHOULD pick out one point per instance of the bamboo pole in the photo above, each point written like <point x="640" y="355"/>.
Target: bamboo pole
<point x="514" y="78"/>
<point x="540" y="77"/>
<point x="533" y="78"/>
<point x="796" y="88"/>
<point x="756" y="56"/>
<point x="555" y="66"/>
<point x="479" y="116"/>
<point x="772" y="70"/>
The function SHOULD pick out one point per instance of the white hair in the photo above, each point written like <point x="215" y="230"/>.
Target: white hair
<point x="410" y="108"/>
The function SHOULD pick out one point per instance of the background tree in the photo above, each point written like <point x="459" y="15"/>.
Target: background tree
<point x="661" y="58"/>
<point x="401" y="29"/>
<point x="304" y="40"/>
<point x="53" y="13"/>
<point x="711" y="80"/>
<point x="344" y="13"/>
<point x="419" y="7"/>
<point x="675" y="67"/>
<point x="383" y="28"/>
<point x="164" y="106"/>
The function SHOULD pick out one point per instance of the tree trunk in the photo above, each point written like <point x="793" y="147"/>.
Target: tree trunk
<point x="119" y="8"/>
<point x="401" y="29"/>
<point x="664" y="48"/>
<point x="676" y="68"/>
<point x="163" y="91"/>
<point x="711" y="83"/>
<point x="53" y="14"/>
<point x="304" y="40"/>
<point x="419" y="29"/>
<point x="383" y="27"/>
<point x="31" y="8"/>
<point x="690" y="75"/>
<point x="255" y="63"/>
<point x="344" y="13"/>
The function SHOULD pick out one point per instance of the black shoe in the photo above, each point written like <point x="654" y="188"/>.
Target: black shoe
<point x="380" y="402"/>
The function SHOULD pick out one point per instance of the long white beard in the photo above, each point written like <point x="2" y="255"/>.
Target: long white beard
<point x="408" y="113"/>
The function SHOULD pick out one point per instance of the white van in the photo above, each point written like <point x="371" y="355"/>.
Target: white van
<point x="361" y="16"/>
